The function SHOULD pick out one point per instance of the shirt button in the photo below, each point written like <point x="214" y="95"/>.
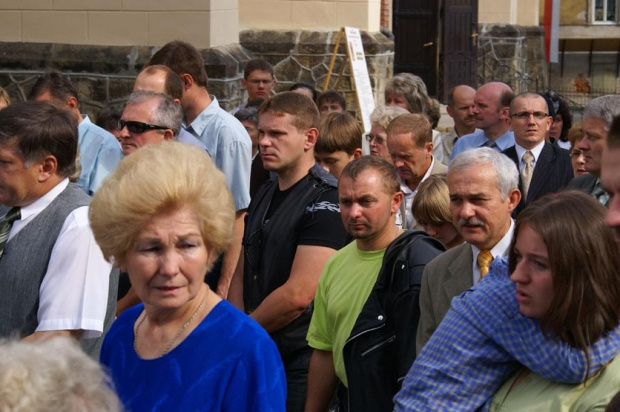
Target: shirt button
<point x="380" y="317"/>
<point x="254" y="277"/>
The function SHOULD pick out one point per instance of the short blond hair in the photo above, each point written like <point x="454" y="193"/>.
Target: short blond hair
<point x="158" y="178"/>
<point x="431" y="203"/>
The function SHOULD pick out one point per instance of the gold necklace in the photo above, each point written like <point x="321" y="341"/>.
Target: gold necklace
<point x="185" y="325"/>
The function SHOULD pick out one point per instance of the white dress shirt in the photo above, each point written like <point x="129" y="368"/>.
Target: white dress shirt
<point x="535" y="151"/>
<point x="74" y="292"/>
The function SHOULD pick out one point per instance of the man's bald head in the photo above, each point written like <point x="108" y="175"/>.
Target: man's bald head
<point x="160" y="79"/>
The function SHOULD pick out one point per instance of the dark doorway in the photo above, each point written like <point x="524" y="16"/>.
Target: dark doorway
<point x="436" y="40"/>
<point x="415" y="39"/>
<point x="457" y="61"/>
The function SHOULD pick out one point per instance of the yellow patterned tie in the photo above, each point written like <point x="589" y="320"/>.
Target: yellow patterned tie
<point x="484" y="261"/>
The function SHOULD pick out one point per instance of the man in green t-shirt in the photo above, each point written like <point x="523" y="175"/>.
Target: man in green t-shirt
<point x="369" y="195"/>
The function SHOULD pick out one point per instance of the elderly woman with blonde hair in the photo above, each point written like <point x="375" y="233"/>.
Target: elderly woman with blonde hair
<point x="165" y="216"/>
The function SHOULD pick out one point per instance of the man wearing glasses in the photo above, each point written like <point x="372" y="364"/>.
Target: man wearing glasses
<point x="491" y="104"/>
<point x="147" y="118"/>
<point x="543" y="168"/>
<point x="257" y="81"/>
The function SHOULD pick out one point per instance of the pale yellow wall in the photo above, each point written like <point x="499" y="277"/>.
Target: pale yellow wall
<point x="309" y="14"/>
<point x="204" y="23"/>
<point x="522" y="12"/>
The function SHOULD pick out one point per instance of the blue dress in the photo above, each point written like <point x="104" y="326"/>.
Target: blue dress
<point x="228" y="363"/>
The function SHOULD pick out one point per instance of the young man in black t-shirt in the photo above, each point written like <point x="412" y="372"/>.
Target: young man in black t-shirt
<point x="293" y="226"/>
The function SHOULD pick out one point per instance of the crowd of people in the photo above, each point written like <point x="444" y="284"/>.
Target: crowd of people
<point x="174" y="256"/>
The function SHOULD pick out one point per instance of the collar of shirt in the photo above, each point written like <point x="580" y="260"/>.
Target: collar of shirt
<point x="29" y="212"/>
<point x="204" y="118"/>
<point x="535" y="151"/>
<point x="499" y="250"/>
<point x="504" y="141"/>
<point x="83" y="127"/>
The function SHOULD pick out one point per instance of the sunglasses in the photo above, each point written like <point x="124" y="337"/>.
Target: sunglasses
<point x="138" y="127"/>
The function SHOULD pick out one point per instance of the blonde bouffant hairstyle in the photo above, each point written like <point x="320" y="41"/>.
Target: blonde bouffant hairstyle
<point x="159" y="178"/>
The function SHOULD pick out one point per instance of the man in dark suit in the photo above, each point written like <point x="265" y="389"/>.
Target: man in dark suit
<point x="483" y="185"/>
<point x="597" y="118"/>
<point x="543" y="168"/>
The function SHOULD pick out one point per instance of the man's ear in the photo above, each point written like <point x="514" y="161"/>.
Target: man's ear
<point x="47" y="168"/>
<point x="312" y="135"/>
<point x="244" y="83"/>
<point x="168" y="135"/>
<point x="514" y="197"/>
<point x="71" y="103"/>
<point x="188" y="81"/>
<point x="357" y="153"/>
<point x="397" y="199"/>
<point x="504" y="113"/>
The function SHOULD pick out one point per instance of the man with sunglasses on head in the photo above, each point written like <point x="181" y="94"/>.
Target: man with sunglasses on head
<point x="148" y="117"/>
<point x="543" y="168"/>
<point x="100" y="152"/>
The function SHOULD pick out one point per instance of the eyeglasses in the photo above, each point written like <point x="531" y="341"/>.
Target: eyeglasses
<point x="377" y="139"/>
<point x="526" y="115"/>
<point x="575" y="153"/>
<point x="138" y="127"/>
<point x="259" y="82"/>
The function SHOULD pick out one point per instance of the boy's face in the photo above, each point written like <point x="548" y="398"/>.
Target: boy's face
<point x="335" y="162"/>
<point x="330" y="107"/>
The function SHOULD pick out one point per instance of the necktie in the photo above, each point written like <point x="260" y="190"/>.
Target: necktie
<point x="484" y="261"/>
<point x="5" y="226"/>
<point x="489" y="143"/>
<point x="599" y="193"/>
<point x="526" y="173"/>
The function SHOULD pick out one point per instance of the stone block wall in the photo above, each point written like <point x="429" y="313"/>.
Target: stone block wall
<point x="514" y="55"/>
<point x="304" y="56"/>
<point x="104" y="75"/>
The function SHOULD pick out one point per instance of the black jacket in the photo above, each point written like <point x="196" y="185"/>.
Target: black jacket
<point x="381" y="348"/>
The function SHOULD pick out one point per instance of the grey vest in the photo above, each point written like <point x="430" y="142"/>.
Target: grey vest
<point x="24" y="264"/>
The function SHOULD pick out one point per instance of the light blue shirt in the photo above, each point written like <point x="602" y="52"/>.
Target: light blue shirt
<point x="230" y="147"/>
<point x="186" y="137"/>
<point x="100" y="154"/>
<point x="479" y="139"/>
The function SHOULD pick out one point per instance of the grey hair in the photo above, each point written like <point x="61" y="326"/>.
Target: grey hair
<point x="504" y="167"/>
<point x="53" y="375"/>
<point x="167" y="112"/>
<point x="383" y="115"/>
<point x="604" y="108"/>
<point x="413" y="89"/>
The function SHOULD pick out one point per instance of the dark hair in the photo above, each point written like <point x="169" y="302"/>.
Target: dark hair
<point x="584" y="261"/>
<point x="339" y="132"/>
<point x="57" y="84"/>
<point x="305" y="86"/>
<point x="108" y="118"/>
<point x="247" y="114"/>
<point x="332" y="96"/>
<point x="257" y="64"/>
<point x="505" y="99"/>
<point x="613" y="137"/>
<point x="40" y="129"/>
<point x="389" y="175"/>
<point x="303" y="110"/>
<point x="182" y="58"/>
<point x="559" y="106"/>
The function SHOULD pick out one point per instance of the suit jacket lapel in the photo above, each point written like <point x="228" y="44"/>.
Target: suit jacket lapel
<point x="461" y="277"/>
<point x="543" y="172"/>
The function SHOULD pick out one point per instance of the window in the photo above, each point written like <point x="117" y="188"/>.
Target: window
<point x="604" y="11"/>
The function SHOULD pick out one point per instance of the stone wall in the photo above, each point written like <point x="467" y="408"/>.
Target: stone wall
<point x="104" y="75"/>
<point x="514" y="55"/>
<point x="304" y="56"/>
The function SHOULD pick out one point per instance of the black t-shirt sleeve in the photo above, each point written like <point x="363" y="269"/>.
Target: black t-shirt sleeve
<point x="321" y="224"/>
